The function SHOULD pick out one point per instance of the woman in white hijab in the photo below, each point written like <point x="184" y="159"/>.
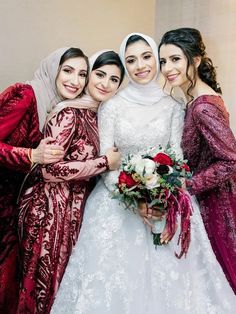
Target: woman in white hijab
<point x="115" y="267"/>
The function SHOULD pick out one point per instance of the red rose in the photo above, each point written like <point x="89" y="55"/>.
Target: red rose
<point x="186" y="167"/>
<point x="126" y="179"/>
<point x="163" y="159"/>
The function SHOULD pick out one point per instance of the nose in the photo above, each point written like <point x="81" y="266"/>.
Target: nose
<point x="105" y="82"/>
<point x="75" y="80"/>
<point x="167" y="67"/>
<point x="140" y="63"/>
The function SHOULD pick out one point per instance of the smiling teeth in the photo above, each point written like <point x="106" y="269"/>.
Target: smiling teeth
<point x="72" y="89"/>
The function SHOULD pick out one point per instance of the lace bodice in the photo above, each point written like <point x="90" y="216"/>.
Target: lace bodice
<point x="134" y="128"/>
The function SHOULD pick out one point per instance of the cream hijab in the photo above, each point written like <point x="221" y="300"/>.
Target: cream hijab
<point x="149" y="93"/>
<point x="44" y="84"/>
<point x="85" y="101"/>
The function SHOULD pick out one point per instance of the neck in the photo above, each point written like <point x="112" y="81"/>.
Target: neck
<point x="200" y="88"/>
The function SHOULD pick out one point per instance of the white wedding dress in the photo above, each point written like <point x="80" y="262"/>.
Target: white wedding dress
<point x="115" y="267"/>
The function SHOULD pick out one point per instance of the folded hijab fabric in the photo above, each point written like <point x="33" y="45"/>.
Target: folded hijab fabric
<point x="44" y="84"/>
<point x="143" y="94"/>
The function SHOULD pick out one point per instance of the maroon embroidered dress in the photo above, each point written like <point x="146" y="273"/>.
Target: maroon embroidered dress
<point x="210" y="147"/>
<point x="19" y="127"/>
<point x="52" y="209"/>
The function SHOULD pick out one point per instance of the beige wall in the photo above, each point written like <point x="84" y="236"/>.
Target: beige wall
<point x="30" y="29"/>
<point x="216" y="19"/>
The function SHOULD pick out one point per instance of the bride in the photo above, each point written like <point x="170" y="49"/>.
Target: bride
<point x="115" y="267"/>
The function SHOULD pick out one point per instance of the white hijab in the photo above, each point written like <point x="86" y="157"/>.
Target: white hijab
<point x="149" y="93"/>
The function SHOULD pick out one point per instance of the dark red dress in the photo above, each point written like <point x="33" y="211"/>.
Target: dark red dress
<point x="19" y="127"/>
<point x="210" y="147"/>
<point x="52" y="209"/>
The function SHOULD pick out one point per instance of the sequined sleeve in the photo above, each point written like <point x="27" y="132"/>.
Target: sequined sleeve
<point x="62" y="129"/>
<point x="14" y="104"/>
<point x="214" y="129"/>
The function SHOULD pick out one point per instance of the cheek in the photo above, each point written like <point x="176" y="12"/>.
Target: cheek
<point x="58" y="84"/>
<point x="129" y="69"/>
<point x="114" y="88"/>
<point x="82" y="81"/>
<point x="90" y="85"/>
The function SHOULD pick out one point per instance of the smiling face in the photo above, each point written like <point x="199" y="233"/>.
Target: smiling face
<point x="174" y="66"/>
<point x="104" y="82"/>
<point x="140" y="62"/>
<point x="71" y="78"/>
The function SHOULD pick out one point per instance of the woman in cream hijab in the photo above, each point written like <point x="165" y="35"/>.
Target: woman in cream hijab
<point x="23" y="110"/>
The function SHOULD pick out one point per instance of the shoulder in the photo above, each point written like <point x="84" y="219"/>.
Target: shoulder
<point x="18" y="96"/>
<point x="110" y="105"/>
<point x="172" y="104"/>
<point x="208" y="104"/>
<point x="208" y="107"/>
<point x="17" y="89"/>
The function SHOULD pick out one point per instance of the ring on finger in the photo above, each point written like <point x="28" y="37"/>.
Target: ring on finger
<point x="54" y="152"/>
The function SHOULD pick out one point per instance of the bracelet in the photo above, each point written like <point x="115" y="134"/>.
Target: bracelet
<point x="29" y="153"/>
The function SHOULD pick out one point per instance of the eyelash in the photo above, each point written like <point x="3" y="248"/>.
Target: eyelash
<point x="100" y="75"/>
<point x="175" y="59"/>
<point x="114" y="80"/>
<point x="67" y="71"/>
<point x="145" y="57"/>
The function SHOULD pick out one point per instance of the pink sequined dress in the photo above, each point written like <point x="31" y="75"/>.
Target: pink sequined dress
<point x="210" y="147"/>
<point x="52" y="209"/>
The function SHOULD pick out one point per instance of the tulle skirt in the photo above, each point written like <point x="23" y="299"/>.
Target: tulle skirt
<point x="115" y="268"/>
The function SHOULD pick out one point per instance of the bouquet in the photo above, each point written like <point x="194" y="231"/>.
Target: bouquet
<point x="156" y="178"/>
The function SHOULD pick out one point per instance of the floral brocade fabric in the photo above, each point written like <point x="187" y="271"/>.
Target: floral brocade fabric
<point x="114" y="267"/>
<point x="51" y="210"/>
<point x="210" y="147"/>
<point x="19" y="128"/>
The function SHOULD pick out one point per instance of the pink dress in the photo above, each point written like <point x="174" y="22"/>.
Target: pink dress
<point x="19" y="128"/>
<point x="210" y="147"/>
<point x="52" y="209"/>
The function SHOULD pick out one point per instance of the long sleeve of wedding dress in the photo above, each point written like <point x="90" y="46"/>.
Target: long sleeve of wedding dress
<point x="106" y="127"/>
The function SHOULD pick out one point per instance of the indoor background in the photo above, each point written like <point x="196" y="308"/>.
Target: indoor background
<point x="31" y="29"/>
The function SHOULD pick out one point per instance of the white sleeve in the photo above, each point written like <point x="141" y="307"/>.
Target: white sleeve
<point x="106" y="126"/>
<point x="177" y="129"/>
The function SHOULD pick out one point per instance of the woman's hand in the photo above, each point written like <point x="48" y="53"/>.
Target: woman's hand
<point x="147" y="213"/>
<point x="114" y="158"/>
<point x="150" y="212"/>
<point x="47" y="153"/>
<point x="166" y="236"/>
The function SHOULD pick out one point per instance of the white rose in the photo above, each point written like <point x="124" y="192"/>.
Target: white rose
<point x="152" y="181"/>
<point x="135" y="159"/>
<point x="145" y="166"/>
<point x="170" y="169"/>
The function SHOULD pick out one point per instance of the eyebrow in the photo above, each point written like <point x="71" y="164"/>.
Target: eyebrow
<point x="133" y="56"/>
<point x="72" y="68"/>
<point x="106" y="74"/>
<point x="67" y="65"/>
<point x="175" y="55"/>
